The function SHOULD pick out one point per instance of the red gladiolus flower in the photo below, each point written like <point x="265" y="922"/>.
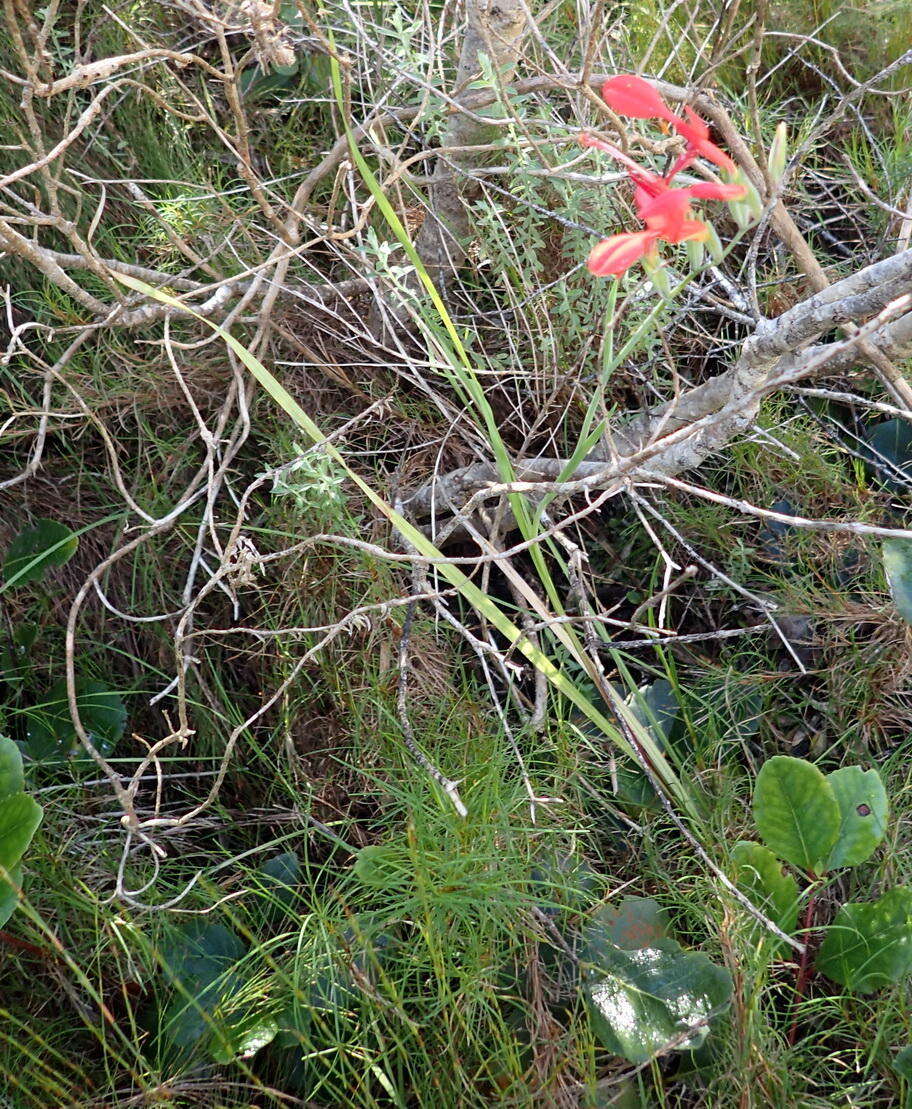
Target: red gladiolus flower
<point x="629" y="95"/>
<point x="696" y="134"/>
<point x="667" y="210"/>
<point x="663" y="208"/>
<point x="668" y="214"/>
<point x="614" y="256"/>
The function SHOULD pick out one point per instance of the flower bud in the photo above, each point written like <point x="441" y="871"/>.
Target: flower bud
<point x="750" y="205"/>
<point x="695" y="253"/>
<point x="657" y="274"/>
<point x="778" y="154"/>
<point x="714" y="244"/>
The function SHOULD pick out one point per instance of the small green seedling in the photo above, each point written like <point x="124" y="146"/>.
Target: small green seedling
<point x="820" y="823"/>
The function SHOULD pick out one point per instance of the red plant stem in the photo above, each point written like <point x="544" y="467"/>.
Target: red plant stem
<point x="31" y="948"/>
<point x="618" y="155"/>
<point x="804" y="967"/>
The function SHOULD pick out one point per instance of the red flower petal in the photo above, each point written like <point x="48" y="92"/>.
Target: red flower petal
<point x="711" y="190"/>
<point x="665" y="213"/>
<point x="695" y="130"/>
<point x="629" y="95"/>
<point x="585" y="139"/>
<point x="614" y="256"/>
<point x="691" y="229"/>
<point x="684" y="160"/>
<point x="696" y="133"/>
<point x="647" y="181"/>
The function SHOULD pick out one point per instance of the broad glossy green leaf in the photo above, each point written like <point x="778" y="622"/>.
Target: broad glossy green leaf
<point x="887" y="448"/>
<point x="258" y="82"/>
<point x="796" y="812"/>
<point x="9" y="893"/>
<point x="50" y="734"/>
<point x="33" y="550"/>
<point x="863" y="804"/>
<point x="656" y="707"/>
<point x="193" y="1022"/>
<point x="20" y="815"/>
<point x="897" y="560"/>
<point x="655" y="998"/>
<point x="902" y="1064"/>
<point x="244" y="1039"/>
<point x="761" y="876"/>
<point x="201" y="958"/>
<point x="635" y="923"/>
<point x="199" y="951"/>
<point x="276" y="880"/>
<point x="869" y="945"/>
<point x="11" y="777"/>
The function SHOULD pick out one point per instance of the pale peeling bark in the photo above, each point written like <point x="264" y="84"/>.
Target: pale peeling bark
<point x="494" y="28"/>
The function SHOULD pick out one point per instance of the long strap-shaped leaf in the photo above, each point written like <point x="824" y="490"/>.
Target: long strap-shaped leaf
<point x="461" y="370"/>
<point x="476" y="597"/>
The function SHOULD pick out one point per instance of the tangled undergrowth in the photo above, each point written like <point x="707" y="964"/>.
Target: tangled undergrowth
<point x="383" y="722"/>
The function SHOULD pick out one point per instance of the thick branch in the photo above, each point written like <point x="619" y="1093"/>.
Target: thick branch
<point x="681" y="435"/>
<point x="494" y="28"/>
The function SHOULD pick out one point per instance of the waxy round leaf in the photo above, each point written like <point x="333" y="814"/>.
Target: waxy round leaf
<point x="869" y="945"/>
<point x="11" y="778"/>
<point x="863" y="804"/>
<point x="276" y="880"/>
<point x="657" y="708"/>
<point x="902" y="1064"/>
<point x="35" y="549"/>
<point x="244" y="1040"/>
<point x="9" y="893"/>
<point x="203" y="956"/>
<point x="20" y="815"/>
<point x="887" y="449"/>
<point x="635" y="923"/>
<point x="760" y="875"/>
<point x="897" y="560"/>
<point x="654" y="998"/>
<point x="200" y="951"/>
<point x="796" y="812"/>
<point x="50" y="734"/>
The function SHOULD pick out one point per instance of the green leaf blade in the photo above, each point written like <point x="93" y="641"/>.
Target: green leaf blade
<point x="864" y="806"/>
<point x="655" y="998"/>
<point x="635" y="923"/>
<point x="9" y="893"/>
<point x="897" y="560"/>
<point x="34" y="549"/>
<point x="12" y="779"/>
<point x="870" y="945"/>
<point x="760" y="876"/>
<point x="50" y="732"/>
<point x="796" y="812"/>
<point x="20" y="816"/>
